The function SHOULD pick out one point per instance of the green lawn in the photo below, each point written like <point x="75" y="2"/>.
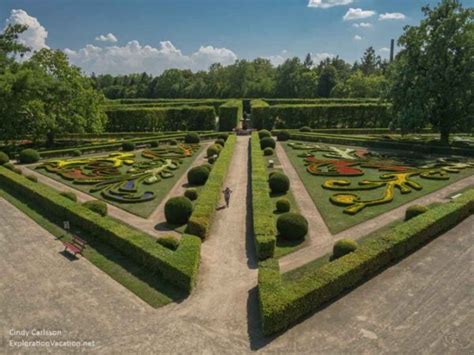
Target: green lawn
<point x="333" y="215"/>
<point x="142" y="209"/>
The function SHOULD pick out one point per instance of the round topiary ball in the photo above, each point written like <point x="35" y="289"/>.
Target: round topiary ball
<point x="192" y="194"/>
<point x="173" y="142"/>
<point x="29" y="156"/>
<point x="207" y="165"/>
<point x="263" y="133"/>
<point x="283" y="136"/>
<point x="268" y="151"/>
<point x="128" y="146"/>
<point x="223" y="136"/>
<point x="168" y="241"/>
<point x="211" y="160"/>
<point x="97" y="206"/>
<point x="343" y="247"/>
<point x="267" y="142"/>
<point x="192" y="138"/>
<point x="154" y="144"/>
<point x="198" y="175"/>
<point x="178" y="210"/>
<point x="292" y="226"/>
<point x="76" y="153"/>
<point x="283" y="205"/>
<point x="4" y="158"/>
<point x="214" y="149"/>
<point x="220" y="142"/>
<point x="414" y="211"/>
<point x="305" y="129"/>
<point x="279" y="183"/>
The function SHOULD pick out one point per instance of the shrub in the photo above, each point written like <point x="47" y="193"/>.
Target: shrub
<point x="128" y="146"/>
<point x="32" y="178"/>
<point x="220" y="142"/>
<point x="223" y="136"/>
<point x="268" y="151"/>
<point x="9" y="166"/>
<point x="230" y="114"/>
<point x="168" y="241"/>
<point x="4" y="158"/>
<point x="414" y="211"/>
<point x="263" y="133"/>
<point x="76" y="153"/>
<point x="178" y="210"/>
<point x="211" y="160"/>
<point x="283" y="136"/>
<point x="343" y="247"/>
<point x="69" y="195"/>
<point x="198" y="175"/>
<point x="279" y="183"/>
<point x="292" y="226"/>
<point x="192" y="194"/>
<point x="267" y="142"/>
<point x="207" y="165"/>
<point x="214" y="149"/>
<point x="192" y="138"/>
<point x="18" y="171"/>
<point x="154" y="144"/>
<point x="173" y="142"/>
<point x="283" y="205"/>
<point x="305" y="129"/>
<point x="29" y="156"/>
<point x="99" y="207"/>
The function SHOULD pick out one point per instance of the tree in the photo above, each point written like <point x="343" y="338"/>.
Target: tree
<point x="370" y="62"/>
<point x="327" y="81"/>
<point x="308" y="61"/>
<point x="362" y="86"/>
<point x="433" y="77"/>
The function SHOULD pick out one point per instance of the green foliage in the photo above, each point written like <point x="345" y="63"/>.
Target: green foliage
<point x="292" y="226"/>
<point x="259" y="113"/>
<point x="343" y="247"/>
<point x="32" y="178"/>
<point x="305" y="129"/>
<point x="263" y="133"/>
<point x="192" y="138"/>
<point x="9" y="166"/>
<point x="283" y="136"/>
<point x="198" y="175"/>
<point x="69" y="195"/>
<point x="17" y="171"/>
<point x="76" y="153"/>
<point x="168" y="241"/>
<point x="220" y="142"/>
<point x="154" y="144"/>
<point x="178" y="210"/>
<point x="230" y="114"/>
<point x="128" y="146"/>
<point x="268" y="151"/>
<point x="29" y="156"/>
<point x="4" y="158"/>
<point x="173" y="142"/>
<point x="99" y="207"/>
<point x="414" y="210"/>
<point x="360" y="85"/>
<point x="283" y="205"/>
<point x="267" y="142"/>
<point x="279" y="183"/>
<point x="214" y="149"/>
<point x="223" y="136"/>
<point x="191" y="193"/>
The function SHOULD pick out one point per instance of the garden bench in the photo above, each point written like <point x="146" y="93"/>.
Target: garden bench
<point x="76" y="246"/>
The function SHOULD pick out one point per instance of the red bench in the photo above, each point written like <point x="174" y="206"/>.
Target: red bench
<point x="76" y="246"/>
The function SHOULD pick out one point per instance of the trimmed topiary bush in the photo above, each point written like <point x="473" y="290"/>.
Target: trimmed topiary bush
<point x="4" y="158"/>
<point x="178" y="210"/>
<point x="76" y="153"/>
<point x="305" y="129"/>
<point x="207" y="165"/>
<point x="192" y="138"/>
<point x="263" y="133"/>
<point x="283" y="136"/>
<point x="292" y="226"/>
<point x="32" y="178"/>
<point x="168" y="241"/>
<point x="283" y="205"/>
<point x="69" y="194"/>
<point x="214" y="149"/>
<point x="343" y="247"/>
<point x="192" y="194"/>
<point x="198" y="175"/>
<point x="173" y="142"/>
<point x="9" y="166"/>
<point x="268" y="151"/>
<point x="220" y="142"/>
<point x="128" y="146"/>
<point x="29" y="156"/>
<point x="414" y="211"/>
<point x="99" y="207"/>
<point x="18" y="171"/>
<point x="223" y="136"/>
<point x="211" y="160"/>
<point x="279" y="183"/>
<point x="267" y="142"/>
<point x="154" y="144"/>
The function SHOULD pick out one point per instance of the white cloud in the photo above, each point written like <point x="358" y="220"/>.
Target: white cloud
<point x="133" y="57"/>
<point x="109" y="37"/>
<point x="35" y="36"/>
<point x="357" y="14"/>
<point x="325" y="4"/>
<point x="384" y="50"/>
<point x="362" y="24"/>
<point x="391" y="16"/>
<point x="357" y="38"/>
<point x="319" y="57"/>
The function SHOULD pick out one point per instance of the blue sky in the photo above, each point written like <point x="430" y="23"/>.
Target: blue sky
<point x="156" y="34"/>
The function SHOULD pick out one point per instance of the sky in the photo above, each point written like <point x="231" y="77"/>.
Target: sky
<point x="127" y="36"/>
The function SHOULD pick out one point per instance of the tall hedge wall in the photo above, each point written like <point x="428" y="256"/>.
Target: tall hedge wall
<point x="185" y="118"/>
<point x="320" y="101"/>
<point x="179" y="267"/>
<point x="216" y="103"/>
<point x="259" y="114"/>
<point x="262" y="207"/>
<point x="229" y="115"/>
<point x="284" y="302"/>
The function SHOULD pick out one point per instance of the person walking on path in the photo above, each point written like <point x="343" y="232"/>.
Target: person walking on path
<point x="227" y="193"/>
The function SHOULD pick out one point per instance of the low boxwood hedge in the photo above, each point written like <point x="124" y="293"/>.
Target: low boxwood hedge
<point x="284" y="302"/>
<point x="179" y="267"/>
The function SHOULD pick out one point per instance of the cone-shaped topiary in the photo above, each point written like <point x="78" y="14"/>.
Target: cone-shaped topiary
<point x="192" y="138"/>
<point x="192" y="194"/>
<point x="414" y="211"/>
<point x="283" y="136"/>
<point x="168" y="241"/>
<point x="178" y="210"/>
<point x="214" y="149"/>
<point x="279" y="183"/>
<point x="4" y="158"/>
<point x="305" y="129"/>
<point x="292" y="226"/>
<point x="343" y="247"/>
<point x="283" y="205"/>
<point x="198" y="175"/>
<point x="97" y="206"/>
<point x="263" y="133"/>
<point x="268" y="151"/>
<point x="29" y="156"/>
<point x="267" y="142"/>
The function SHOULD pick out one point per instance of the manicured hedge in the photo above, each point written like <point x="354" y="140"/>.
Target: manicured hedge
<point x="229" y="115"/>
<point x="284" y="302"/>
<point x="320" y="101"/>
<point x="209" y="196"/>
<point x="264" y="228"/>
<point x="259" y="113"/>
<point x="155" y="119"/>
<point x="179" y="267"/>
